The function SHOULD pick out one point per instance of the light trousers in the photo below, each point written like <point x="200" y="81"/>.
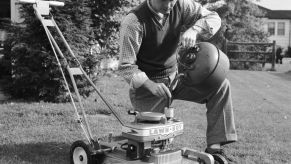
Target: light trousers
<point x="220" y="117"/>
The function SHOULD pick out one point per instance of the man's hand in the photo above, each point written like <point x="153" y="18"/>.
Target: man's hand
<point x="158" y="89"/>
<point x="188" y="39"/>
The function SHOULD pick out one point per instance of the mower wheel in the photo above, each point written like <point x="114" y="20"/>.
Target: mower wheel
<point x="219" y="159"/>
<point x="81" y="153"/>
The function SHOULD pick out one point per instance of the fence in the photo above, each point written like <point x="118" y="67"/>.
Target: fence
<point x="251" y="52"/>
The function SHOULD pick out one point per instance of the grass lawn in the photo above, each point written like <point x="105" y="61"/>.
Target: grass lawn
<point x="41" y="133"/>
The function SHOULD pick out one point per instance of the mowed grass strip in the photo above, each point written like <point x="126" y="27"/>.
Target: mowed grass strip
<point x="42" y="133"/>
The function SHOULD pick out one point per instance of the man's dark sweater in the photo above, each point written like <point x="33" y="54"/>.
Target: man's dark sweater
<point x="157" y="54"/>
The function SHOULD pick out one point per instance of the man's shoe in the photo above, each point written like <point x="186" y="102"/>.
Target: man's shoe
<point x="219" y="156"/>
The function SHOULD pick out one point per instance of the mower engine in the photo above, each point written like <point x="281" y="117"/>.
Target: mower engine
<point x="150" y="138"/>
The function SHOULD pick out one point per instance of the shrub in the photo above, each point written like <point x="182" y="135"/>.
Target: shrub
<point x="34" y="71"/>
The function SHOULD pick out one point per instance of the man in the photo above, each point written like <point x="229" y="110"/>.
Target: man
<point x="279" y="56"/>
<point x="149" y="37"/>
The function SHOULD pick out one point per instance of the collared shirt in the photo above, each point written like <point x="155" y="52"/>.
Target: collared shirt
<point x="131" y="33"/>
<point x="160" y="17"/>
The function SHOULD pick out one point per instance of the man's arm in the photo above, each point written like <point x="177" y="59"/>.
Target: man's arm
<point x="200" y="20"/>
<point x="130" y="40"/>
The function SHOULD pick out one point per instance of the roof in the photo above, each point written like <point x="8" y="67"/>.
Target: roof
<point x="276" y="14"/>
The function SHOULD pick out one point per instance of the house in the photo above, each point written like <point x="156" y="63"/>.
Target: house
<point x="9" y="10"/>
<point x="278" y="25"/>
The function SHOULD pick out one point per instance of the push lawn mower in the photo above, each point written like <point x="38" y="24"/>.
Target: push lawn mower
<point x="148" y="139"/>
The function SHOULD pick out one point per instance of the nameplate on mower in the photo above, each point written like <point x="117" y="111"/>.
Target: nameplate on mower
<point x="166" y="130"/>
<point x="148" y="132"/>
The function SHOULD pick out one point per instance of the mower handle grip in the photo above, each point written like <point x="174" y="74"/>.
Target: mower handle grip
<point x="51" y="3"/>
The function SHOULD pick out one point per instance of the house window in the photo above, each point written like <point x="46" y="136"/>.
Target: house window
<point x="5" y="9"/>
<point x="271" y="28"/>
<point x="281" y="28"/>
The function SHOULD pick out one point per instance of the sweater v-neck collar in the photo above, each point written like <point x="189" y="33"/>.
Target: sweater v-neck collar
<point x="161" y="19"/>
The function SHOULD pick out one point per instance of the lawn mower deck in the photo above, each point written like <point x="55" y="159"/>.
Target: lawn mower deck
<point x="147" y="140"/>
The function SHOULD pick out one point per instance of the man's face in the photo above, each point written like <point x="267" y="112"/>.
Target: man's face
<point x="163" y="6"/>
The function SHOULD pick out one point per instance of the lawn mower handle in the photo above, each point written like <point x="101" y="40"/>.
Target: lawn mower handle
<point x="51" y="3"/>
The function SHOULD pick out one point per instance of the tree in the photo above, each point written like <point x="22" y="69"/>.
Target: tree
<point x="33" y="68"/>
<point x="34" y="72"/>
<point x="241" y="21"/>
<point x="106" y="21"/>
